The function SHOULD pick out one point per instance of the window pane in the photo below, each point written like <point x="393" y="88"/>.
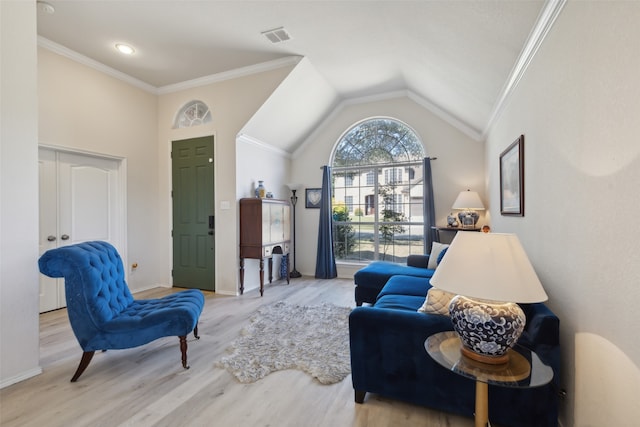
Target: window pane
<point x="194" y="113"/>
<point x="378" y="196"/>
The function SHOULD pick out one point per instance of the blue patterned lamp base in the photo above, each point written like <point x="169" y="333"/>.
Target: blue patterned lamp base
<point x="487" y="329"/>
<point x="468" y="218"/>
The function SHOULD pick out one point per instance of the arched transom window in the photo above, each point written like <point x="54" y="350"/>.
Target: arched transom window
<point x="378" y="192"/>
<point x="193" y="113"/>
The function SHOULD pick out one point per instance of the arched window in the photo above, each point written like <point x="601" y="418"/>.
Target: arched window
<point x="378" y="192"/>
<point x="193" y="113"/>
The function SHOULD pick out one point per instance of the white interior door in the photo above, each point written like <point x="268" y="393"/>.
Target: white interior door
<point x="80" y="201"/>
<point x="51" y="290"/>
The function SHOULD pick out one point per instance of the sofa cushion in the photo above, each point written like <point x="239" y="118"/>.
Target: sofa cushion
<point x="376" y="274"/>
<point x="400" y="302"/>
<point x="406" y="285"/>
<point x="434" y="256"/>
<point x="415" y="260"/>
<point x="437" y="302"/>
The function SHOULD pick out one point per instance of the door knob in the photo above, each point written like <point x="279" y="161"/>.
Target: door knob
<point x="65" y="237"/>
<point x="51" y="238"/>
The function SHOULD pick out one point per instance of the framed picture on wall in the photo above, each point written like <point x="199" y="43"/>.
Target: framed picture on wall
<point x="512" y="179"/>
<point x="313" y="197"/>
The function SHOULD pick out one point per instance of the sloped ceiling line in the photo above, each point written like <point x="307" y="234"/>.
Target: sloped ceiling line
<point x="241" y="137"/>
<point x="428" y="105"/>
<point x="545" y="21"/>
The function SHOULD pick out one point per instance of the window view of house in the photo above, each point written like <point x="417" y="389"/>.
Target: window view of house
<point x="378" y="193"/>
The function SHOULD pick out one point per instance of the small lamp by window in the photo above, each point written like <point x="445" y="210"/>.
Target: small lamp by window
<point x="468" y="202"/>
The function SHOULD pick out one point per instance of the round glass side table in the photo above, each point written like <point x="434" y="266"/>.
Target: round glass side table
<point x="523" y="370"/>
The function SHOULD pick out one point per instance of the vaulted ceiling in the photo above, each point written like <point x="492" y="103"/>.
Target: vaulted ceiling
<point x="458" y="57"/>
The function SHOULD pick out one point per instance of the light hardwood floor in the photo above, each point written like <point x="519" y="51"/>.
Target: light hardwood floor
<point x="147" y="386"/>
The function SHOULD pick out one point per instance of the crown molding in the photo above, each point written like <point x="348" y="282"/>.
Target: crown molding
<point x="546" y="19"/>
<point x="232" y="74"/>
<point x="189" y="84"/>
<point x="77" y="57"/>
<point x="457" y="123"/>
<point x="423" y="102"/>
<point x="241" y="137"/>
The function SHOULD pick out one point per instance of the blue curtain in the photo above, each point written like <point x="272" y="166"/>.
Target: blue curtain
<point x="325" y="259"/>
<point x="429" y="206"/>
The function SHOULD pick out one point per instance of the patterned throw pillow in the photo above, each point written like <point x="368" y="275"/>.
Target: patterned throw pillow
<point x="437" y="302"/>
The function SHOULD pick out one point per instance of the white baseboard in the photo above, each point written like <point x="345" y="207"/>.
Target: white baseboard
<point x="149" y="287"/>
<point x="21" y="377"/>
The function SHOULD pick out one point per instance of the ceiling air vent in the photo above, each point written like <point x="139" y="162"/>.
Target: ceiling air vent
<point x="277" y="35"/>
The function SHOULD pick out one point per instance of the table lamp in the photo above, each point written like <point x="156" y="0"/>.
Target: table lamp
<point x="489" y="273"/>
<point x="468" y="202"/>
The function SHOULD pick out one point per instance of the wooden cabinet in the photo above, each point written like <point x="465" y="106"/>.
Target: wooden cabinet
<point x="265" y="229"/>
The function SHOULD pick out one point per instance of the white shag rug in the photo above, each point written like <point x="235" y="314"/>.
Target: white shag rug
<point x="280" y="336"/>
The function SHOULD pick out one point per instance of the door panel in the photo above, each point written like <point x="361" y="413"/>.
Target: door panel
<point x="79" y="201"/>
<point x="51" y="290"/>
<point x="88" y="194"/>
<point x="193" y="206"/>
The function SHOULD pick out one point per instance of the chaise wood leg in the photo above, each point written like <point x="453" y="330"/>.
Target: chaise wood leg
<point x="183" y="349"/>
<point x="195" y="332"/>
<point x="359" y="396"/>
<point x="84" y="362"/>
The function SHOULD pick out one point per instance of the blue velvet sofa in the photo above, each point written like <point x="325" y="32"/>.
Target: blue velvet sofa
<point x="388" y="358"/>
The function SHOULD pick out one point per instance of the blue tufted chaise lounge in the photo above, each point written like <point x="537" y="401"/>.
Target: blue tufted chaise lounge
<point x="101" y="309"/>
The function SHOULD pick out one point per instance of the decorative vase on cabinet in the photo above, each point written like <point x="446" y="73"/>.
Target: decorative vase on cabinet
<point x="260" y="190"/>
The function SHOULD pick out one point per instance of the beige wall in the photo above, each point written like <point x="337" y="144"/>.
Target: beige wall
<point x="19" y="343"/>
<point x="83" y="109"/>
<point x="578" y="107"/>
<point x="232" y="103"/>
<point x="459" y="165"/>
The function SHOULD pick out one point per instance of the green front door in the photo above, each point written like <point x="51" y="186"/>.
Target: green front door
<point x="193" y="210"/>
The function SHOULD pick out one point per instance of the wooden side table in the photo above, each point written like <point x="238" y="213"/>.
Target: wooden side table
<point x="523" y="370"/>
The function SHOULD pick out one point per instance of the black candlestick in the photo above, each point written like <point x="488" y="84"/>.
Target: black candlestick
<point x="294" y="273"/>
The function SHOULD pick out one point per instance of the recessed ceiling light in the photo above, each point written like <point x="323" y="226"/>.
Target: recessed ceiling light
<point x="125" y="49"/>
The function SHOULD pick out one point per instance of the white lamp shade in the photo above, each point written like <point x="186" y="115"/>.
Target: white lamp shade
<point x="489" y="266"/>
<point x="468" y="200"/>
<point x="293" y="186"/>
